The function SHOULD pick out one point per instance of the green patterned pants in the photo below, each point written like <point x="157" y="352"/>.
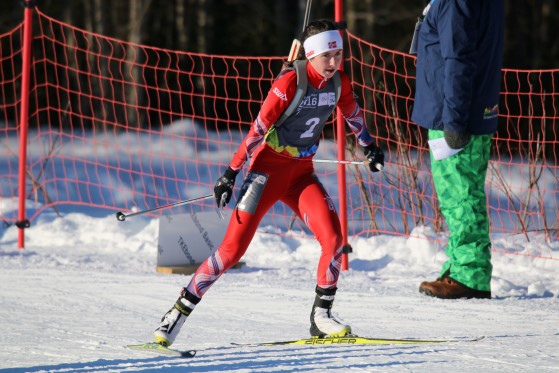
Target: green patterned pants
<point x="460" y="186"/>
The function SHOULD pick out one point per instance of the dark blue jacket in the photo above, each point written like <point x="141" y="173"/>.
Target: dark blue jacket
<point x="459" y="61"/>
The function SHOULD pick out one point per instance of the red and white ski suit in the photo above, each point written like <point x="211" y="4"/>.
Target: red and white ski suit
<point x="282" y="170"/>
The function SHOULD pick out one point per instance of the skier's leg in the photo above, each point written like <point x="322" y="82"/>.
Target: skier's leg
<point x="313" y="205"/>
<point x="258" y="193"/>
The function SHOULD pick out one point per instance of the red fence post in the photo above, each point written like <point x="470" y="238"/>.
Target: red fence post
<point x="340" y="131"/>
<point x="22" y="222"/>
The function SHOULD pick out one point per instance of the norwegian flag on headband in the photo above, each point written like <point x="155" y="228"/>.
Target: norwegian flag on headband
<point x="322" y="42"/>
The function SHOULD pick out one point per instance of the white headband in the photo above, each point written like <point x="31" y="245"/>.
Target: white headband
<point x="324" y="42"/>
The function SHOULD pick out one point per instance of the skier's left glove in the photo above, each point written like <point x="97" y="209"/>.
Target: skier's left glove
<point x="375" y="157"/>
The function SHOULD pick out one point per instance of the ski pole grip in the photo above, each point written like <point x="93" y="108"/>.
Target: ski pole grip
<point x="378" y="165"/>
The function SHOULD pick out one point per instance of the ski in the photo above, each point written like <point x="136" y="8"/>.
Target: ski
<point x="356" y="340"/>
<point x="162" y="350"/>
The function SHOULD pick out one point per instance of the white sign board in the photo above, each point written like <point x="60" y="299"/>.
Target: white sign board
<point x="188" y="239"/>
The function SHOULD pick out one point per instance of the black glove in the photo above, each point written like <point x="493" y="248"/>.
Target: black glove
<point x="375" y="156"/>
<point x="224" y="186"/>
<point x="457" y="140"/>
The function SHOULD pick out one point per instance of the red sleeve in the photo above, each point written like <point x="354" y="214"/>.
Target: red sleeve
<point x="352" y="113"/>
<point x="278" y="99"/>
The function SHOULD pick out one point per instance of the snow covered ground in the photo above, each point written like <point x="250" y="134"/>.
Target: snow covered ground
<point x="84" y="287"/>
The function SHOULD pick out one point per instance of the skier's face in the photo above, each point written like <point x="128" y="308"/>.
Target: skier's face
<point x="327" y="63"/>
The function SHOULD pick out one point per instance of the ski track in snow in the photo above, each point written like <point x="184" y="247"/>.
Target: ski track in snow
<point x="84" y="289"/>
<point x="79" y="321"/>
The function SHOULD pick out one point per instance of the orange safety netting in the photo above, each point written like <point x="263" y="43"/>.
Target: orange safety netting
<point x="125" y="127"/>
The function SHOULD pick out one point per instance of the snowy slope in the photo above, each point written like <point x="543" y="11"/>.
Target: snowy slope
<point x="84" y="287"/>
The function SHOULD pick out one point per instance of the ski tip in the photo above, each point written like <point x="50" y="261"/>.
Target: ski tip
<point x="162" y="350"/>
<point x="189" y="353"/>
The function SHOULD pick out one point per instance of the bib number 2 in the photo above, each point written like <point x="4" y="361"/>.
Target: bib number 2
<point x="311" y="123"/>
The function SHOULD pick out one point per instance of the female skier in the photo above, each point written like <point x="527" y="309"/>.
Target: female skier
<point x="282" y="170"/>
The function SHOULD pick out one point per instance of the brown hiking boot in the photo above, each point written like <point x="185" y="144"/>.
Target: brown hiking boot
<point x="447" y="288"/>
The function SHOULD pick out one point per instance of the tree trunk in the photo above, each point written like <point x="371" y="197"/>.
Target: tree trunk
<point x="180" y="25"/>
<point x="137" y="12"/>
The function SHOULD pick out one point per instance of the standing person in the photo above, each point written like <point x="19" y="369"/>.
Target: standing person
<point x="459" y="60"/>
<point x="282" y="170"/>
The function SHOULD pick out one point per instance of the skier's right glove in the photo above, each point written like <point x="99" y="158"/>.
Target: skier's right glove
<point x="223" y="189"/>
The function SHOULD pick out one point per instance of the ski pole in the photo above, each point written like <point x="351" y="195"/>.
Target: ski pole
<point x="121" y="217"/>
<point x="378" y="166"/>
